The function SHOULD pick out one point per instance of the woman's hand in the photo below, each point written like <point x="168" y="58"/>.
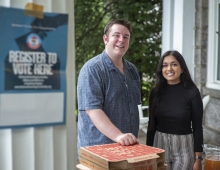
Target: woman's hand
<point x="197" y="165"/>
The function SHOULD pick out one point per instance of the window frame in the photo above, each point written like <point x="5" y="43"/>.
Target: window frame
<point x="213" y="43"/>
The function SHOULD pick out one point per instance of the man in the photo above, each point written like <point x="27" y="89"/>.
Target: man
<point x="108" y="92"/>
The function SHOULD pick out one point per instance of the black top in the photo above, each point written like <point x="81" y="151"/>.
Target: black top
<point x="179" y="111"/>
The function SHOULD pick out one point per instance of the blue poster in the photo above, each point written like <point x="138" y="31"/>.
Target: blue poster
<point x="33" y="54"/>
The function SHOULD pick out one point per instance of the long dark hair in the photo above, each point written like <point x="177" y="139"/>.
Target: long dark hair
<point x="160" y="82"/>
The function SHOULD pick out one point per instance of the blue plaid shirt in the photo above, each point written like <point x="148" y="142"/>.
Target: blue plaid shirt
<point x="102" y="86"/>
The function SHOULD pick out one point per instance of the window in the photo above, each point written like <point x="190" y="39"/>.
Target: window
<point x="218" y="44"/>
<point x="213" y="67"/>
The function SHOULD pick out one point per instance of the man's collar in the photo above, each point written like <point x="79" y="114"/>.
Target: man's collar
<point x="110" y="64"/>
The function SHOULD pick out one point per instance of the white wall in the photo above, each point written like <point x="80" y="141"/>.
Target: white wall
<point x="45" y="148"/>
<point x="178" y="29"/>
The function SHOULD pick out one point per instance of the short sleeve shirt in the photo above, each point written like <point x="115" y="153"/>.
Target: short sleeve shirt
<point x="102" y="86"/>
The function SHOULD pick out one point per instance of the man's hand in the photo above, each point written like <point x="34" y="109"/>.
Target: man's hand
<point x="126" y="139"/>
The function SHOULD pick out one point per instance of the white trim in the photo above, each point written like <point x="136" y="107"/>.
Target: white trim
<point x="167" y="25"/>
<point x="213" y="86"/>
<point x="212" y="46"/>
<point x="72" y="154"/>
<point x="178" y="29"/>
<point x="178" y="26"/>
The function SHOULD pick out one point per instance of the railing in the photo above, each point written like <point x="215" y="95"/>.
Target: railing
<point x="143" y="120"/>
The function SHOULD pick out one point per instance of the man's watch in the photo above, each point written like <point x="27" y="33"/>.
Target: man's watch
<point x="199" y="157"/>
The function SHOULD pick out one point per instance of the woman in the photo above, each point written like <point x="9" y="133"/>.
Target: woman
<point x="175" y="114"/>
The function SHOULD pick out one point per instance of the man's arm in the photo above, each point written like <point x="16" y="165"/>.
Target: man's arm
<point x="104" y="125"/>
